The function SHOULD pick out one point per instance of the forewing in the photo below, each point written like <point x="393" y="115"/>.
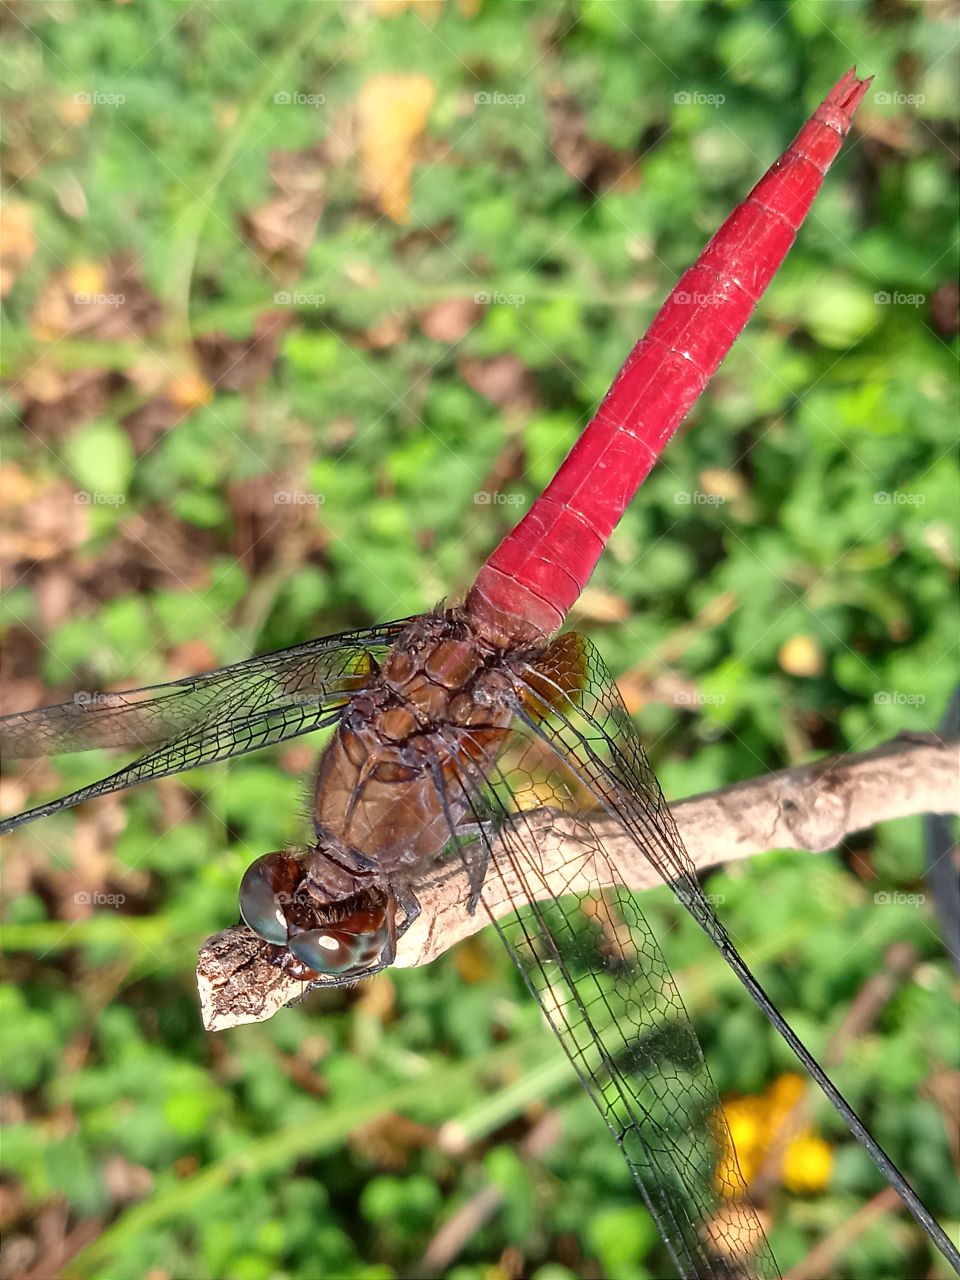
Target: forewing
<point x="214" y="716"/>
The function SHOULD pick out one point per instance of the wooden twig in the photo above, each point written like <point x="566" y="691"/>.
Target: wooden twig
<point x="811" y="807"/>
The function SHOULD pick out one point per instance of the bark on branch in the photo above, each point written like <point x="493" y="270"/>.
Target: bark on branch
<point x="810" y="807"/>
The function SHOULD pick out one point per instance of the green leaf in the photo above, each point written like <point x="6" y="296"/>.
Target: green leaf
<point x="101" y="459"/>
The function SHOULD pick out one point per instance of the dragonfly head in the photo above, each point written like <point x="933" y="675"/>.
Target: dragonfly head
<point x="333" y="924"/>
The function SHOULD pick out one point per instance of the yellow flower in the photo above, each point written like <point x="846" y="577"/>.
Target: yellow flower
<point x="745" y="1128"/>
<point x="86" y="278"/>
<point x="787" y="1089"/>
<point x="801" y="656"/>
<point x="752" y="1126"/>
<point x="726" y="1179"/>
<point x="807" y="1165"/>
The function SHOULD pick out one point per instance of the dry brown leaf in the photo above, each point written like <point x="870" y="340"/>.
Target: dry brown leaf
<point x="44" y="383"/>
<point x="618" y="940"/>
<point x="55" y="401"/>
<point x="125" y="1182"/>
<point x="472" y="961"/>
<point x="189" y="659"/>
<point x="896" y="132"/>
<point x="104" y="300"/>
<point x="944" y="1088"/>
<point x="151" y="550"/>
<point x="388" y="1141"/>
<point x="56" y="592"/>
<point x="736" y="1221"/>
<point x="17" y="242"/>
<point x="188" y="390"/>
<point x="13" y="1203"/>
<point x="717" y="610"/>
<point x="449" y="320"/>
<point x="392" y="113"/>
<point x="75" y="110"/>
<point x="384" y="334"/>
<point x="282" y="230"/>
<point x="599" y="606"/>
<point x="667" y="688"/>
<point x="149" y="421"/>
<point x="16" y="487"/>
<point x="39" y="523"/>
<point x="729" y="485"/>
<point x="15" y="795"/>
<point x="945" y="309"/>
<point x="298" y="758"/>
<point x="237" y="364"/>
<point x="595" y="164"/>
<point x="275" y="520"/>
<point x="505" y="380"/>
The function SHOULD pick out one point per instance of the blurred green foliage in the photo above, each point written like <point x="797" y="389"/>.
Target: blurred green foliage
<point x="308" y="1147"/>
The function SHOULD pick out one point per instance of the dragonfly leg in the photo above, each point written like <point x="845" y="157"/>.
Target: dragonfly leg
<point x="476" y="860"/>
<point x="469" y="848"/>
<point x="409" y="903"/>
<point x="473" y="831"/>
<point x="472" y="847"/>
<point x="468" y="838"/>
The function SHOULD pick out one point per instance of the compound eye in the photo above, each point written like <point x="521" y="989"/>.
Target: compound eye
<point x="267" y="886"/>
<point x="323" y="951"/>
<point x="336" y="951"/>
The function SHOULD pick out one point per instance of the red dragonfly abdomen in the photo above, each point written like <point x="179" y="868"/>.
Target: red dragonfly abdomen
<point x="529" y="583"/>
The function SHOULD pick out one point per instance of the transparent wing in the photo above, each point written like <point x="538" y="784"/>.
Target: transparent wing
<point x="591" y="960"/>
<point x="214" y="716"/>
<point x="571" y="706"/>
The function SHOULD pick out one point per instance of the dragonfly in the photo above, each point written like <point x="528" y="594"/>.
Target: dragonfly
<point x="443" y="725"/>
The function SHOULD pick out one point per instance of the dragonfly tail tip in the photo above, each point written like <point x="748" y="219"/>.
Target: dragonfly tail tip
<point x="847" y="94"/>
